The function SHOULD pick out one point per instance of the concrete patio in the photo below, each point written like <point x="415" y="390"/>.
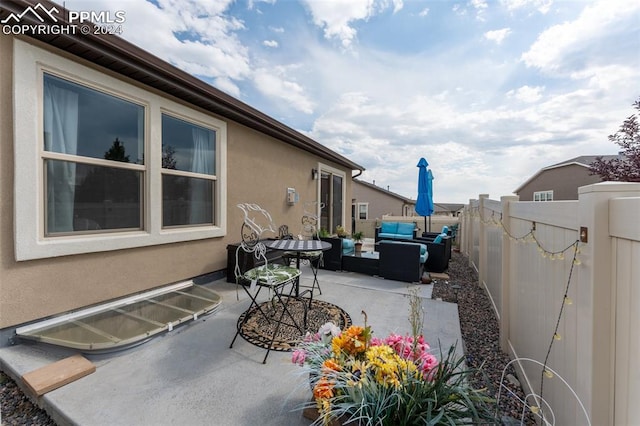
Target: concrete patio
<point x="191" y="376"/>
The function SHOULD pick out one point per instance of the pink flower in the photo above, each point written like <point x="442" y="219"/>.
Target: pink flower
<point x="427" y="365"/>
<point x="298" y="357"/>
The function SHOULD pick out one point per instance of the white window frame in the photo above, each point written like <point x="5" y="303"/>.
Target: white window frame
<point x="366" y="212"/>
<point x="543" y="195"/>
<point x="30" y="63"/>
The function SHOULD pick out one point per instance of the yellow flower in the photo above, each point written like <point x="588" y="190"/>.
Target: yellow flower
<point x="388" y="367"/>
<point x="352" y="341"/>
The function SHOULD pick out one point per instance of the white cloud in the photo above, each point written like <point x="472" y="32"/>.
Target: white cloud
<point x="337" y="16"/>
<point x="497" y="35"/>
<point x="526" y="94"/>
<point x="424" y="12"/>
<point x="563" y="46"/>
<point x="273" y="83"/>
<point x="542" y="6"/>
<point x="481" y="7"/>
<point x="270" y="43"/>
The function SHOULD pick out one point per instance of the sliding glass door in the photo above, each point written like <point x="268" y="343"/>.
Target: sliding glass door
<point x="332" y="196"/>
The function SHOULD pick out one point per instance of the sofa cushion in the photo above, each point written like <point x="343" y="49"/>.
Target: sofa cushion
<point x="348" y="246"/>
<point x="388" y="235"/>
<point x="438" y="239"/>
<point x="405" y="229"/>
<point x="389" y="228"/>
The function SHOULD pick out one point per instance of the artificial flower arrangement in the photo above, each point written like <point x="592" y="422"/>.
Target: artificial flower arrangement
<point x="359" y="379"/>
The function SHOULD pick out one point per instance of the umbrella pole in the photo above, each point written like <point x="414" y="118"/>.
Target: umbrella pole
<point x="425" y="224"/>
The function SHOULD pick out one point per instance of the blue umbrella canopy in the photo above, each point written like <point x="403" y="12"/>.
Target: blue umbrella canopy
<point x="424" y="203"/>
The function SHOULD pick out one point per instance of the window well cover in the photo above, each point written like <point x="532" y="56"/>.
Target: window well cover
<point x="126" y="322"/>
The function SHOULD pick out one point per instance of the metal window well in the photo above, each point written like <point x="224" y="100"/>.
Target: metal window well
<point x="126" y="322"/>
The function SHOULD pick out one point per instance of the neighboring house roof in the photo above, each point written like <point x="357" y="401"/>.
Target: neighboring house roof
<point x="583" y="161"/>
<point x="131" y="61"/>
<point x="447" y="207"/>
<point x="385" y="191"/>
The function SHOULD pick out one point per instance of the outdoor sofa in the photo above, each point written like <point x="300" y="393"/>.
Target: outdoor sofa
<point x="401" y="260"/>
<point x="395" y="231"/>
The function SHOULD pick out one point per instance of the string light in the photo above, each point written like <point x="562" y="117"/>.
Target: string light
<point x="547" y="254"/>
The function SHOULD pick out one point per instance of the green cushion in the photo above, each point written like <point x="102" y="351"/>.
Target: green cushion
<point x="272" y="275"/>
<point x="310" y="254"/>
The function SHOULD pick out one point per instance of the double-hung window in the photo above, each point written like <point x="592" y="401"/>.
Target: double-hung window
<point x="188" y="173"/>
<point x="93" y="160"/>
<point x="104" y="164"/>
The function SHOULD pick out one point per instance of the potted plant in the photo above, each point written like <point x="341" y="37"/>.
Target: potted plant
<point x="340" y="231"/>
<point x="360" y="379"/>
<point x="357" y="239"/>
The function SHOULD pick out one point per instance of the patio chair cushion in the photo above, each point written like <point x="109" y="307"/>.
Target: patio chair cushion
<point x="348" y="246"/>
<point x="272" y="274"/>
<point x="389" y="227"/>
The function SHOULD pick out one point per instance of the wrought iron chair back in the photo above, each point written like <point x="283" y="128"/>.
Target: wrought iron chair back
<point x="256" y="223"/>
<point x="252" y="230"/>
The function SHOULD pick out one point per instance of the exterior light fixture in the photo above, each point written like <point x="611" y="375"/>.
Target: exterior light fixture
<point x="314" y="174"/>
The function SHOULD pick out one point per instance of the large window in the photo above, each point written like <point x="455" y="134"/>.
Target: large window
<point x="92" y="141"/>
<point x="101" y="164"/>
<point x="188" y="163"/>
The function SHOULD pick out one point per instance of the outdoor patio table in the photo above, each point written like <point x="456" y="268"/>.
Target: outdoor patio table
<point x="299" y="247"/>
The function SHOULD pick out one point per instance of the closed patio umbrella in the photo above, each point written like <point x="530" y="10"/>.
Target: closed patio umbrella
<point x="424" y="203"/>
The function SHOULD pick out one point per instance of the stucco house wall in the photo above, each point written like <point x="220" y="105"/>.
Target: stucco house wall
<point x="380" y="201"/>
<point x="39" y="287"/>
<point x="564" y="180"/>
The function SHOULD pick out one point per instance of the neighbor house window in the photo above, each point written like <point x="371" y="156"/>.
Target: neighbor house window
<point x="363" y="211"/>
<point x="88" y="148"/>
<point x="543" y="196"/>
<point x="188" y="173"/>
<point x="93" y="159"/>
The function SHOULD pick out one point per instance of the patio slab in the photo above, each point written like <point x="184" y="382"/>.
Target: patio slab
<point x="191" y="376"/>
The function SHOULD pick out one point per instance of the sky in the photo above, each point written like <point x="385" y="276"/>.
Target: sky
<point x="488" y="91"/>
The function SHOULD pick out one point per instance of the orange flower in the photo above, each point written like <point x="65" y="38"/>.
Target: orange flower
<point x="323" y="389"/>
<point x="331" y="364"/>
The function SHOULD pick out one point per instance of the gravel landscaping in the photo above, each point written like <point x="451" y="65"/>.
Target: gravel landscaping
<point x="480" y="335"/>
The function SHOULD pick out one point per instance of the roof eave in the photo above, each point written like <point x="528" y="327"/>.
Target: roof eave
<point x="126" y="59"/>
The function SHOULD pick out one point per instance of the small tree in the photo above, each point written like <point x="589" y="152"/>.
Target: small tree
<point x="627" y="168"/>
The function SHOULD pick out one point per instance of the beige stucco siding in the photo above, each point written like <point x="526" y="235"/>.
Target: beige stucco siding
<point x="563" y="181"/>
<point x="259" y="169"/>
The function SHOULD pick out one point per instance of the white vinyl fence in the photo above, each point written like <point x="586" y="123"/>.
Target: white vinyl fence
<point x="564" y="280"/>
